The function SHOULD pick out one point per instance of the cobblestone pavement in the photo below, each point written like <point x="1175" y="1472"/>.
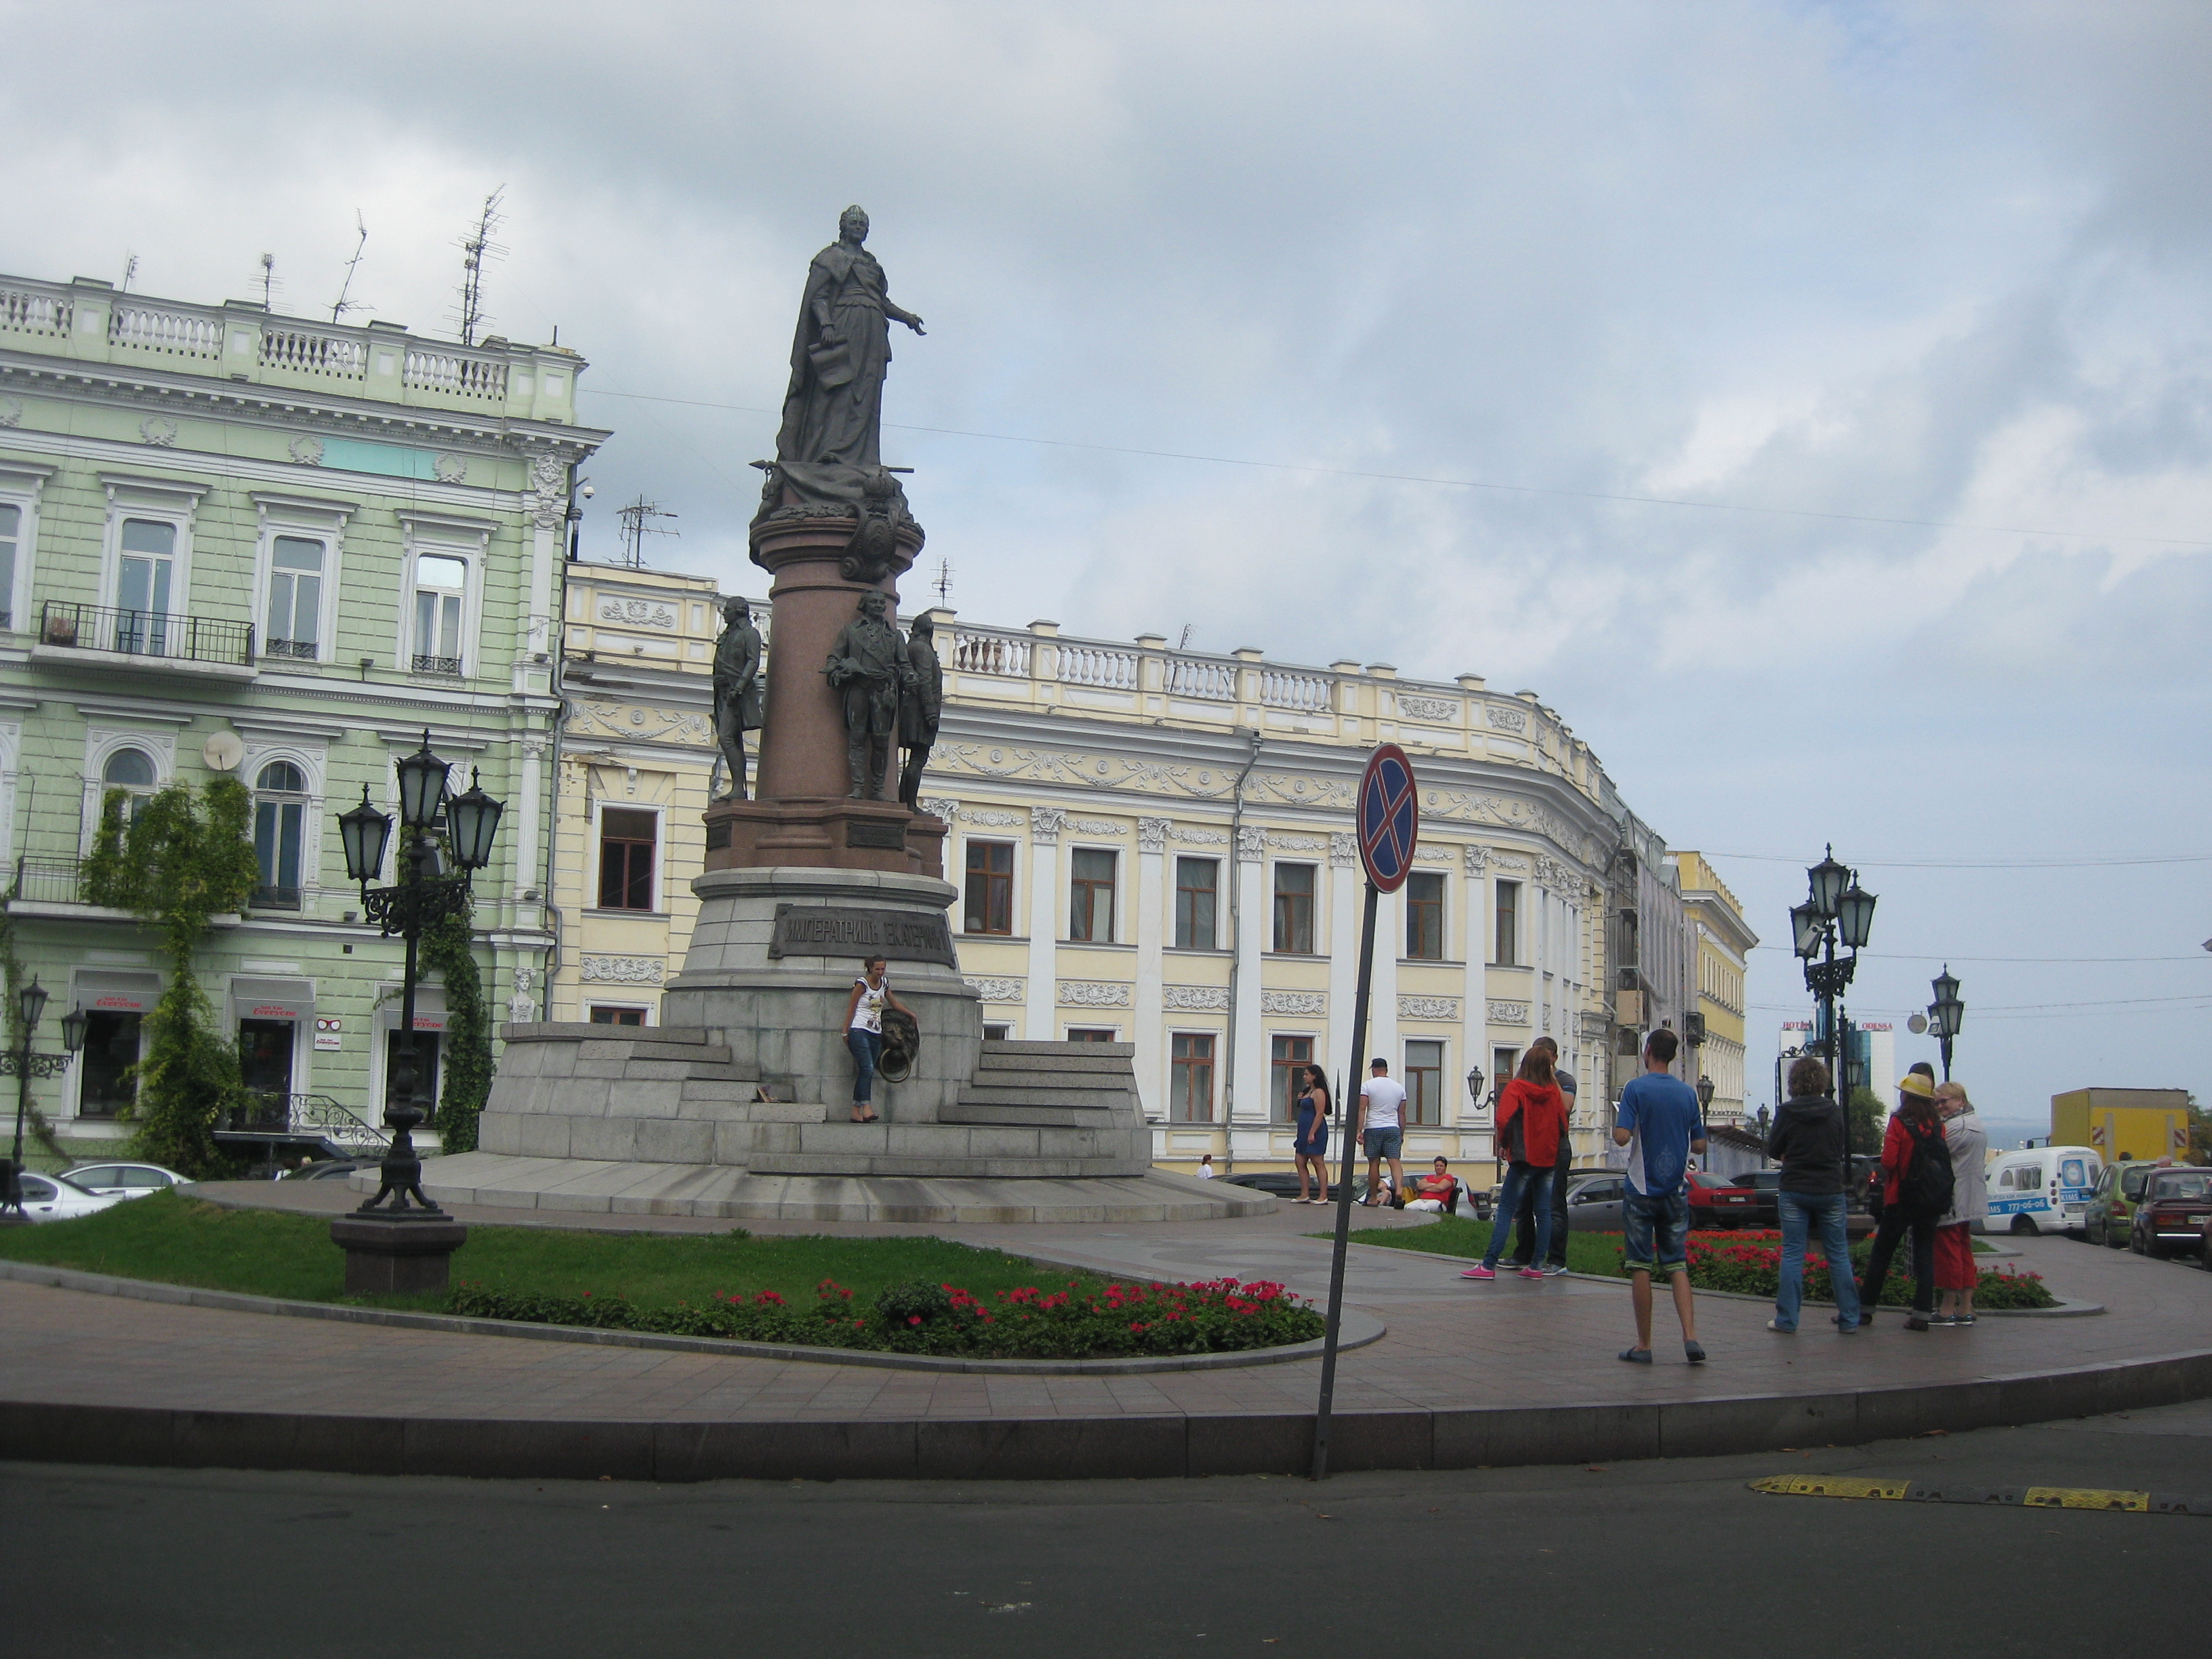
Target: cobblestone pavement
<point x="1451" y="1344"/>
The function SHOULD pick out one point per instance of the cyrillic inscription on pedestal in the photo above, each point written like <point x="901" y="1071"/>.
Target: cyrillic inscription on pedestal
<point x="865" y="833"/>
<point x="820" y="930"/>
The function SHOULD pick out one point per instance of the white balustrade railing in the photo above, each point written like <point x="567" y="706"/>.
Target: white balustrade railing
<point x="1306" y="694"/>
<point x="464" y="377"/>
<point x="34" y="314"/>
<point x="991" y="653"/>
<point x="1091" y="665"/>
<point x="1192" y="676"/>
<point x="307" y="352"/>
<point x="175" y="333"/>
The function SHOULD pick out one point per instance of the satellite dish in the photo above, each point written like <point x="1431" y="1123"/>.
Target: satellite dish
<point x="223" y="750"/>
<point x="1916" y="1024"/>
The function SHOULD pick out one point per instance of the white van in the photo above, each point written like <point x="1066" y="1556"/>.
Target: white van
<point x="2045" y="1189"/>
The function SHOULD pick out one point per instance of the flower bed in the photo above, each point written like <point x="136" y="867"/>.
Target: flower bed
<point x="1222" y="1315"/>
<point x="1751" y="1264"/>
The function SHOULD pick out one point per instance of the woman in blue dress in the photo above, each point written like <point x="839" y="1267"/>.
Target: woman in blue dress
<point x="1312" y="1143"/>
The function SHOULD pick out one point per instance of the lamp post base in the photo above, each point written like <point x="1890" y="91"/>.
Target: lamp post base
<point x="388" y="1255"/>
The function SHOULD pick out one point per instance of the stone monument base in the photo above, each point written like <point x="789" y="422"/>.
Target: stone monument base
<point x="607" y="1187"/>
<point x="826" y="833"/>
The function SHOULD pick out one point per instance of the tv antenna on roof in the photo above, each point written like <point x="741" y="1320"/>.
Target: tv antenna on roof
<point x="943" y="583"/>
<point x="636" y="526"/>
<point x="342" y="305"/>
<point x="129" y="269"/>
<point x="476" y="247"/>
<point x="268" y="280"/>
<point x="1188" y="629"/>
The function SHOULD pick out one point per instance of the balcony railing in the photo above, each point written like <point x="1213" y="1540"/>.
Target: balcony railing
<point x="304" y="649"/>
<point x="268" y="897"/>
<point x="41" y="880"/>
<point x="272" y="1115"/>
<point x="437" y="665"/>
<point x="145" y="633"/>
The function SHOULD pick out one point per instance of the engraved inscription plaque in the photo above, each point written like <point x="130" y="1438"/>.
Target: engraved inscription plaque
<point x="822" y="930"/>
<point x="718" y="834"/>
<point x="861" y="833"/>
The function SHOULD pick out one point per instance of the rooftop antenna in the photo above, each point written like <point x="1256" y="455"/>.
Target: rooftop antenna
<point x="943" y="583"/>
<point x="476" y="247"/>
<point x="636" y="526"/>
<point x="342" y="305"/>
<point x="1188" y="629"/>
<point x="268" y="280"/>
<point x="129" y="269"/>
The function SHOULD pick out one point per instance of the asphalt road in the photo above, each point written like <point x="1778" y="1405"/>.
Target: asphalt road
<point x="1657" y="1557"/>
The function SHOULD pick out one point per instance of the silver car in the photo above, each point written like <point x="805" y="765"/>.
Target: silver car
<point x="124" y="1180"/>
<point x="51" y="1198"/>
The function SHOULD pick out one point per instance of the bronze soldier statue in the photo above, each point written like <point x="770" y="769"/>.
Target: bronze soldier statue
<point x="867" y="665"/>
<point x="921" y="703"/>
<point x="737" y="690"/>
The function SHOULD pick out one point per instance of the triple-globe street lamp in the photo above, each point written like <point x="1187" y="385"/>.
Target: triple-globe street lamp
<point x="423" y="895"/>
<point x="1836" y="907"/>
<point x="31" y="1008"/>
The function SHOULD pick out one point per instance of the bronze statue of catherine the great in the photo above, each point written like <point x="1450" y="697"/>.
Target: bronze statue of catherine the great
<point x="833" y="413"/>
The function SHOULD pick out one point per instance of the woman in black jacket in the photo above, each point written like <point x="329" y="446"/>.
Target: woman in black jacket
<point x="1807" y="1139"/>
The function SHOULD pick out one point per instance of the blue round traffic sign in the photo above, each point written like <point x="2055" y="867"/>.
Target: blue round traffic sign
<point x="1389" y="818"/>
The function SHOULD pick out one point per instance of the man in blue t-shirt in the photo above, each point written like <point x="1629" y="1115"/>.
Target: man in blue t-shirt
<point x="1660" y="1125"/>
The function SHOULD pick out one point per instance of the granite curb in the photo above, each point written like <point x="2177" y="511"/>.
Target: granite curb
<point x="1357" y="1330"/>
<point x="1159" y="1446"/>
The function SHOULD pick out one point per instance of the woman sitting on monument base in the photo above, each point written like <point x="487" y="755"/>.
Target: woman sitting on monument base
<point x="864" y="1032"/>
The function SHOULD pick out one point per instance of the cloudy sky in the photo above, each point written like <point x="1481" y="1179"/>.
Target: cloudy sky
<point x="1812" y="401"/>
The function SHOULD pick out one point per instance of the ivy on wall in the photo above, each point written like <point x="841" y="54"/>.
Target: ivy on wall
<point x="447" y="951"/>
<point x="182" y="859"/>
<point x="11" y="970"/>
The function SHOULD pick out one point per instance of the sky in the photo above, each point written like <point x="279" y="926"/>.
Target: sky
<point x="1811" y="402"/>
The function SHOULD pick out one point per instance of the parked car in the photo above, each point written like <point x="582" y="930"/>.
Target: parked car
<point x="1717" y="1200"/>
<point x="1594" y="1204"/>
<point x="2043" y="1189"/>
<point x="2177" y="1204"/>
<point x="2105" y="1219"/>
<point x="124" y="1180"/>
<point x="51" y="1198"/>
<point x="1767" y="1188"/>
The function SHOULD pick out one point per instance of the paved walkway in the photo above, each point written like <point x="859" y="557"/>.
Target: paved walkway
<point x="1513" y="1370"/>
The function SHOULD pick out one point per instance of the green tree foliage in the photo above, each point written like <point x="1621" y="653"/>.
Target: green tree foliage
<point x="447" y="950"/>
<point x="1866" y="1115"/>
<point x="11" y="967"/>
<point x="181" y="859"/>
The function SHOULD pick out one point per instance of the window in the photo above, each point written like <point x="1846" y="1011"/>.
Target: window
<point x="11" y="535"/>
<point x="426" y="1062"/>
<point x="296" y="598"/>
<point x="604" y="1015"/>
<point x="990" y="887"/>
<point x="1425" y="1082"/>
<point x="1287" y="1060"/>
<point x="280" y="813"/>
<point x="1089" y="1033"/>
<point x="1090" y="884"/>
<point x="1198" y="884"/>
<point x="143" y="581"/>
<point x="1190" y="1087"/>
<point x="106" y="1083"/>
<point x="997" y="1033"/>
<point x="1424" y="916"/>
<point x="626" y="858"/>
<point x="1508" y="951"/>
<point x="1294" y="897"/>
<point x="1503" y="1064"/>
<point x="129" y="769"/>
<point x="441" y="584"/>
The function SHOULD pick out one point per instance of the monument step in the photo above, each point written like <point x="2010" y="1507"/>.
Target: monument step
<point x="1026" y="1116"/>
<point x="1029" y="1053"/>
<point x="970" y="1168"/>
<point x="1069" y="1066"/>
<point x="1043" y="1091"/>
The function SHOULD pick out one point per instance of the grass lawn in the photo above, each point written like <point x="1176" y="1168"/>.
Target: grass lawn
<point x="181" y="1241"/>
<point x="1450" y="1235"/>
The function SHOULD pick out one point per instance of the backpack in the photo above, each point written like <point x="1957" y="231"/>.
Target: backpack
<point x="1924" y="1192"/>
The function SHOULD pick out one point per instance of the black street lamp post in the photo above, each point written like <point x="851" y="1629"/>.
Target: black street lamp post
<point x="1837" y="905"/>
<point x="1946" y="1014"/>
<point x="422" y="897"/>
<point x="31" y="1007"/>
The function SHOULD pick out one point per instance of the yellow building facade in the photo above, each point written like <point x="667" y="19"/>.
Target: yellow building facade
<point x="1722" y="942"/>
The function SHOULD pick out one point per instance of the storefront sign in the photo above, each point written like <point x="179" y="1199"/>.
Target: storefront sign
<point x="327" y="1032"/>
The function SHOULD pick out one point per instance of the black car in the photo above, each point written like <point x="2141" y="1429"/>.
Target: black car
<point x="1767" y="1183"/>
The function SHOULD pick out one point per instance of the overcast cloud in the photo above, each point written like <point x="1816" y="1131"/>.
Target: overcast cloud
<point x="1950" y="264"/>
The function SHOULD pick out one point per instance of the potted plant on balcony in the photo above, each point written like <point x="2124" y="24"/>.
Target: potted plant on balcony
<point x="60" y="629"/>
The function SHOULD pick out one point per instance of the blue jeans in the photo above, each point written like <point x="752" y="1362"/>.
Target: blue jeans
<point x="1800" y="1213"/>
<point x="867" y="1048"/>
<point x="1519" y="1178"/>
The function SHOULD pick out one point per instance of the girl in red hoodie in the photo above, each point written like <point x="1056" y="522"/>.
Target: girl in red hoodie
<point x="1532" y="1115"/>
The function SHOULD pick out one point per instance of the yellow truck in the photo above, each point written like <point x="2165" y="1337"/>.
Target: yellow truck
<point x="2124" y="1124"/>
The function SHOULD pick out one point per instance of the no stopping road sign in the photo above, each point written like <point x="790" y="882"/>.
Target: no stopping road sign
<point x="1389" y="818"/>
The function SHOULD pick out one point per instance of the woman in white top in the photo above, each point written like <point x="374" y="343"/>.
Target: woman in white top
<point x="864" y="1032"/>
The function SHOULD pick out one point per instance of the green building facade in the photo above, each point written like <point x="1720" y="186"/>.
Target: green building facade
<point x="234" y="543"/>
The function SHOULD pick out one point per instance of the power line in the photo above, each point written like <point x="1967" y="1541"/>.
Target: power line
<point x="1460" y="483"/>
<point x="2053" y="862"/>
<point x="1995" y="1008"/>
<point x="1931" y="955"/>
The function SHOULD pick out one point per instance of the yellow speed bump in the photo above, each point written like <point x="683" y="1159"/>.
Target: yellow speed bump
<point x="2085" y="1498"/>
<point x="1954" y="1492"/>
<point x="1831" y="1486"/>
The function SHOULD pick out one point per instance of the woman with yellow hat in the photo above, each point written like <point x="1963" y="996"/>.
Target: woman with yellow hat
<point x="1916" y="1192"/>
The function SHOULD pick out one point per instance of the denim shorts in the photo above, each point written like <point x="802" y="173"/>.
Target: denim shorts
<point x="1658" y="1231"/>
<point x="1384" y="1143"/>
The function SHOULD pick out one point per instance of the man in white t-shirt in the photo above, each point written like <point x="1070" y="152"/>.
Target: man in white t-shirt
<point x="1382" y="1128"/>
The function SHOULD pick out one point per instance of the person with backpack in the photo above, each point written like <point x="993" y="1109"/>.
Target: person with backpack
<point x="1916" y="1183"/>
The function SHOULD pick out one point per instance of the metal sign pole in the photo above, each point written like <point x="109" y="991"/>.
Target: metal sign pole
<point x="1344" y="1195"/>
